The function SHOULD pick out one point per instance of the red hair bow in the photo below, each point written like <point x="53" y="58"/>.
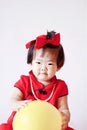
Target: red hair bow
<point x="42" y="40"/>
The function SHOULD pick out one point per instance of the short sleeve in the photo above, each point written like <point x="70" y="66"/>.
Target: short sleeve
<point x="23" y="84"/>
<point x="62" y="88"/>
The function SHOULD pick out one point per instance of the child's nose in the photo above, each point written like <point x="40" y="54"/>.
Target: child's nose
<point x="43" y="67"/>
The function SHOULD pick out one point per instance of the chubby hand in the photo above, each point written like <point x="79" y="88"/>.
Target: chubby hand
<point x="65" y="121"/>
<point x="22" y="104"/>
<point x="17" y="105"/>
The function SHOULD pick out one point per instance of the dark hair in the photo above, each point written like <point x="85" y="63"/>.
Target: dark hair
<point x="60" y="57"/>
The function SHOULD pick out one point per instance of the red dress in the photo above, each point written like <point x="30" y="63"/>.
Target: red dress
<point x="56" y="89"/>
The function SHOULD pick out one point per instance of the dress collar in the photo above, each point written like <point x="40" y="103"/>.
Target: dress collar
<point x="39" y="85"/>
<point x="36" y="86"/>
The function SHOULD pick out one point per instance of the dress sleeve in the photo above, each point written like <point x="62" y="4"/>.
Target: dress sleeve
<point x="23" y="84"/>
<point x="62" y="88"/>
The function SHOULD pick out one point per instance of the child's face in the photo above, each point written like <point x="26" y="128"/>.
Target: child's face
<point x="44" y="64"/>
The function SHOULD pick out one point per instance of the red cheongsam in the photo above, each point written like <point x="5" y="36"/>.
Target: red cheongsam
<point x="42" y="92"/>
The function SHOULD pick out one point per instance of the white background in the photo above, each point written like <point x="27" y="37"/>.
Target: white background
<point x="23" y="20"/>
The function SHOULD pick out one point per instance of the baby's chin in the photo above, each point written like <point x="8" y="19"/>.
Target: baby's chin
<point x="44" y="81"/>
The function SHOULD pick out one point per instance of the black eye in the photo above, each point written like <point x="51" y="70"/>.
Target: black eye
<point x="49" y="63"/>
<point x="38" y="62"/>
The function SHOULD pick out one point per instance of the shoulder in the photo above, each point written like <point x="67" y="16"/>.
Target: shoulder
<point x="61" y="82"/>
<point x="23" y="80"/>
<point x="24" y="77"/>
<point x="62" y="86"/>
<point x="23" y="83"/>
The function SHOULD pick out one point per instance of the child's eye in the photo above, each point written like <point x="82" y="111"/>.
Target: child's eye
<point x="38" y="62"/>
<point x="50" y="63"/>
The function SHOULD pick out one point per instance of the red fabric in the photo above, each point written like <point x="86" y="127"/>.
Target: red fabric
<point x="24" y="85"/>
<point x="42" y="40"/>
<point x="5" y="126"/>
<point x="69" y="128"/>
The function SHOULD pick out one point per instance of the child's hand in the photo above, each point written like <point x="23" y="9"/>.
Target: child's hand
<point x="64" y="121"/>
<point x="20" y="104"/>
<point x="23" y="103"/>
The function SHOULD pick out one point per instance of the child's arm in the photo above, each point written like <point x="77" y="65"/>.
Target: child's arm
<point x="16" y="101"/>
<point x="64" y="109"/>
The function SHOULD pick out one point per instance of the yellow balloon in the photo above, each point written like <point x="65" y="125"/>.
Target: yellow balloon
<point x="37" y="115"/>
